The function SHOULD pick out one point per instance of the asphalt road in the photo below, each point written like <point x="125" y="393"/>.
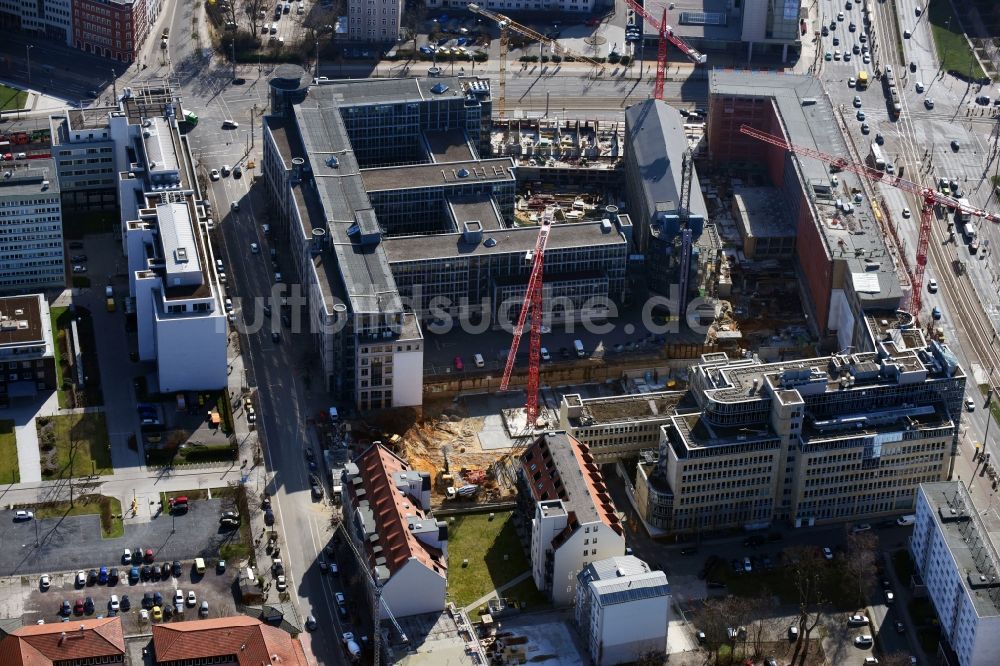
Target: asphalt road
<point x="75" y="542"/>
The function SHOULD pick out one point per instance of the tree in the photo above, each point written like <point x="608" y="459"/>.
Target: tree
<point x="253" y="9"/>
<point x="761" y="624"/>
<point x="808" y="571"/>
<point x="413" y="20"/>
<point x="720" y="615"/>
<point x="861" y="562"/>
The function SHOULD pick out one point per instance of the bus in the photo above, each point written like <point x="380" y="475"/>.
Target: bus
<point x="862" y="83"/>
<point x="875" y="157"/>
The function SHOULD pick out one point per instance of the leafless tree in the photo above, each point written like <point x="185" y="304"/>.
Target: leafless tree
<point x="229" y="11"/>
<point x="413" y="20"/>
<point x="253" y="9"/>
<point x="760" y="624"/>
<point x="808" y="571"/>
<point x="861" y="561"/>
<point x="720" y="615"/>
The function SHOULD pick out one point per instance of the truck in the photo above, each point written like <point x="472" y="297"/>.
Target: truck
<point x="190" y="117"/>
<point x="110" y="304"/>
<point x="351" y="647"/>
<point x="181" y="403"/>
<point x="578" y="345"/>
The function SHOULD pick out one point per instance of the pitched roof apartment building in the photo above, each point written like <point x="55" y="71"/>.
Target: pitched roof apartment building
<point x="386" y="511"/>
<point x="73" y="643"/>
<point x="563" y="502"/>
<point x="237" y="640"/>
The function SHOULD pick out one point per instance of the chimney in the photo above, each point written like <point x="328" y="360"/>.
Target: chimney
<point x="297" y="163"/>
<point x="318" y="240"/>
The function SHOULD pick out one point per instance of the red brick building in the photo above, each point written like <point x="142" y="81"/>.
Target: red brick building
<point x="110" y="28"/>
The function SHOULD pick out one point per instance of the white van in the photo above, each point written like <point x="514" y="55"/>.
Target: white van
<point x="908" y="519"/>
<point x="579" y="348"/>
<point x="480" y="362"/>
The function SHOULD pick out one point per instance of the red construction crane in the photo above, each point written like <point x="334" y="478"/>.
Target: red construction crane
<point x="666" y="35"/>
<point x="532" y="302"/>
<point x="928" y="196"/>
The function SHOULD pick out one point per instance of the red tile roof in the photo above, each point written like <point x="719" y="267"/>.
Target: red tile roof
<point x="391" y="508"/>
<point x="248" y="640"/>
<point x="46" y="644"/>
<point x="557" y="466"/>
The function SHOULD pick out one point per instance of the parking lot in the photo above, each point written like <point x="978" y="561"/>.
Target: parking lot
<point x="22" y="597"/>
<point x="74" y="542"/>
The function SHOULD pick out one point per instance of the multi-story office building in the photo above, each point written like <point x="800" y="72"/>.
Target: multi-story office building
<point x="841" y="257"/>
<point x="383" y="195"/>
<point x="173" y="273"/>
<point x="836" y="438"/>
<point x="566" y="509"/>
<point x="374" y="20"/>
<point x="387" y="513"/>
<point x="111" y="28"/>
<point x="52" y="19"/>
<point x="517" y="6"/>
<point x="953" y="551"/>
<point x="744" y="29"/>
<point x="27" y="351"/>
<point x="31" y="231"/>
<point x="622" y="610"/>
<point x="618" y="427"/>
<point x="89" y="147"/>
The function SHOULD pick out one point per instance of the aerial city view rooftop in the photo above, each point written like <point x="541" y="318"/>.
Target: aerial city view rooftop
<point x="429" y="332"/>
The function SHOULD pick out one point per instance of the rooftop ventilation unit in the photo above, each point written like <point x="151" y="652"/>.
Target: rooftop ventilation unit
<point x="439" y="89"/>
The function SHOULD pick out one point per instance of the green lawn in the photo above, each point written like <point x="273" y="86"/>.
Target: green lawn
<point x="108" y="508"/>
<point x="80" y="444"/>
<point x="12" y="99"/>
<point x="9" y="472"/>
<point x="485" y="543"/>
<point x="527" y="595"/>
<point x="55" y="314"/>
<point x="191" y="454"/>
<point x="953" y="51"/>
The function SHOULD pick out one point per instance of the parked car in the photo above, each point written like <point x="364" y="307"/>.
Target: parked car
<point x="21" y="515"/>
<point x="857" y="620"/>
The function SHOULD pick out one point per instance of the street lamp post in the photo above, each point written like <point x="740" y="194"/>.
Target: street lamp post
<point x="27" y="55"/>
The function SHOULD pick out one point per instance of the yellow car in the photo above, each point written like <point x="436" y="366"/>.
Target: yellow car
<point x="157" y="613"/>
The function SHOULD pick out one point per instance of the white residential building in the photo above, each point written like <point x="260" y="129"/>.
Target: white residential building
<point x="622" y="610"/>
<point x="387" y="515"/>
<point x="31" y="231"/>
<point x="374" y="20"/>
<point x="955" y="557"/>
<point x="51" y="18"/>
<point x="562" y="496"/>
<point x="173" y="276"/>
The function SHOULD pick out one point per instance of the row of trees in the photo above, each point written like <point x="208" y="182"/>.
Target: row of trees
<point x="812" y="579"/>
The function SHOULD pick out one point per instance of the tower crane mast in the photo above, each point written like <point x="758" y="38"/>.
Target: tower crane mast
<point x="928" y="197"/>
<point x="532" y="305"/>
<point x="506" y="24"/>
<point x="666" y="34"/>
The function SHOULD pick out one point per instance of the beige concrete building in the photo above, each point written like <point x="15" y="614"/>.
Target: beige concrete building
<point x="620" y="426"/>
<point x="374" y="20"/>
<point x="837" y="438"/>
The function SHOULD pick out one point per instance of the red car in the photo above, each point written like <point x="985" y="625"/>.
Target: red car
<point x="78" y="607"/>
<point x="593" y="22"/>
<point x="458" y="363"/>
<point x="149" y="555"/>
